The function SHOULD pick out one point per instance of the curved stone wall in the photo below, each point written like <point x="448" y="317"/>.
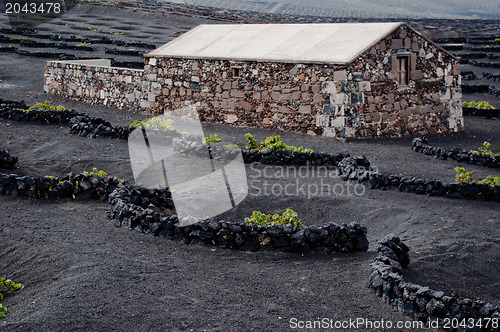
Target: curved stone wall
<point x="7" y="160"/>
<point x="457" y="154"/>
<point x="419" y="302"/>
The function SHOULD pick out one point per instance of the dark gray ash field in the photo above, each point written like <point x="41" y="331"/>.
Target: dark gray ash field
<point x="80" y="272"/>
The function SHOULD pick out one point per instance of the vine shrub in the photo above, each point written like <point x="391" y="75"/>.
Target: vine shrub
<point x="462" y="176"/>
<point x="231" y="147"/>
<point x="94" y="171"/>
<point x="155" y="123"/>
<point x="483" y="105"/>
<point x="490" y="180"/>
<point x="289" y="217"/>
<point x="272" y="143"/>
<point x="251" y="142"/>
<point x="45" y="106"/>
<point x="485" y="149"/>
<point x="11" y="286"/>
<point x="211" y="139"/>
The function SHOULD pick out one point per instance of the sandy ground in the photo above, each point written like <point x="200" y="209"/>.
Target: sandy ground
<point x="82" y="273"/>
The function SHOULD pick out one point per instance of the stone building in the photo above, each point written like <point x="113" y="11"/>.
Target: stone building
<point x="340" y="80"/>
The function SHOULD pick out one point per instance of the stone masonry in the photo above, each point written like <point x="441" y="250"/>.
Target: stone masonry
<point x="362" y="99"/>
<point x="95" y="82"/>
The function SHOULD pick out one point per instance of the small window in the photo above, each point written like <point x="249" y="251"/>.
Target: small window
<point x="403" y="69"/>
<point x="236" y="71"/>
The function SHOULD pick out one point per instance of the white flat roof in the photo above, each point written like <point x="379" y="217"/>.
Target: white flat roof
<point x="333" y="43"/>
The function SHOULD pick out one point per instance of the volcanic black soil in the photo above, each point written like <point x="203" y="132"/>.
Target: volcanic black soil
<point x="80" y="272"/>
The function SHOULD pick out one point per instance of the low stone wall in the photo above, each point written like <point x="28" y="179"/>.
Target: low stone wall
<point x="494" y="91"/>
<point x="11" y="104"/>
<point x="95" y="82"/>
<point x="457" y="154"/>
<point x="288" y="157"/>
<point x="16" y="110"/>
<point x="489" y="113"/>
<point x="349" y="169"/>
<point x="190" y="145"/>
<point x="69" y="186"/>
<point x="422" y="303"/>
<point x="151" y="210"/>
<point x="354" y="169"/>
<point x="234" y="235"/>
<point x="7" y="160"/>
<point x="86" y="126"/>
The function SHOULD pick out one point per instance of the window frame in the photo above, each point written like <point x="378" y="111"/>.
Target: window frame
<point x="403" y="72"/>
<point x="236" y="71"/>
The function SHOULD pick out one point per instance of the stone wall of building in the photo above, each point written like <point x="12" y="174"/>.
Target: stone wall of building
<point x="366" y="100"/>
<point x="95" y="82"/>
<point x="272" y="95"/>
<point x="362" y="99"/>
<point x="359" y="100"/>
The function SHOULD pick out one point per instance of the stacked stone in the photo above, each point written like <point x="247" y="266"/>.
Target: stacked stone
<point x="7" y="160"/>
<point x="16" y="110"/>
<point x="483" y="64"/>
<point x="72" y="185"/>
<point x="460" y="155"/>
<point x="101" y="84"/>
<point x="86" y="126"/>
<point x="33" y="43"/>
<point x="420" y="303"/>
<point x="488" y="113"/>
<point x="491" y="76"/>
<point x="468" y="76"/>
<point x="288" y="157"/>
<point x="350" y="169"/>
<point x="9" y="49"/>
<point x="492" y="90"/>
<point x="224" y="234"/>
<point x="190" y="145"/>
<point x="124" y="52"/>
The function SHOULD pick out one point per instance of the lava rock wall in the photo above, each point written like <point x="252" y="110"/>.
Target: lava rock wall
<point x="69" y="186"/>
<point x="16" y="111"/>
<point x="7" y="160"/>
<point x="86" y="126"/>
<point x="350" y="169"/>
<point x="419" y="302"/>
<point x="236" y="235"/>
<point x="457" y="154"/>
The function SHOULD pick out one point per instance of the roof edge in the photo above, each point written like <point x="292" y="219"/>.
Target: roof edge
<point x="397" y="26"/>
<point x="248" y="60"/>
<point x="350" y="61"/>
<point x="430" y="41"/>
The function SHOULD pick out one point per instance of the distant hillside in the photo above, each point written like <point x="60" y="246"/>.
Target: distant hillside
<point x="362" y="8"/>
